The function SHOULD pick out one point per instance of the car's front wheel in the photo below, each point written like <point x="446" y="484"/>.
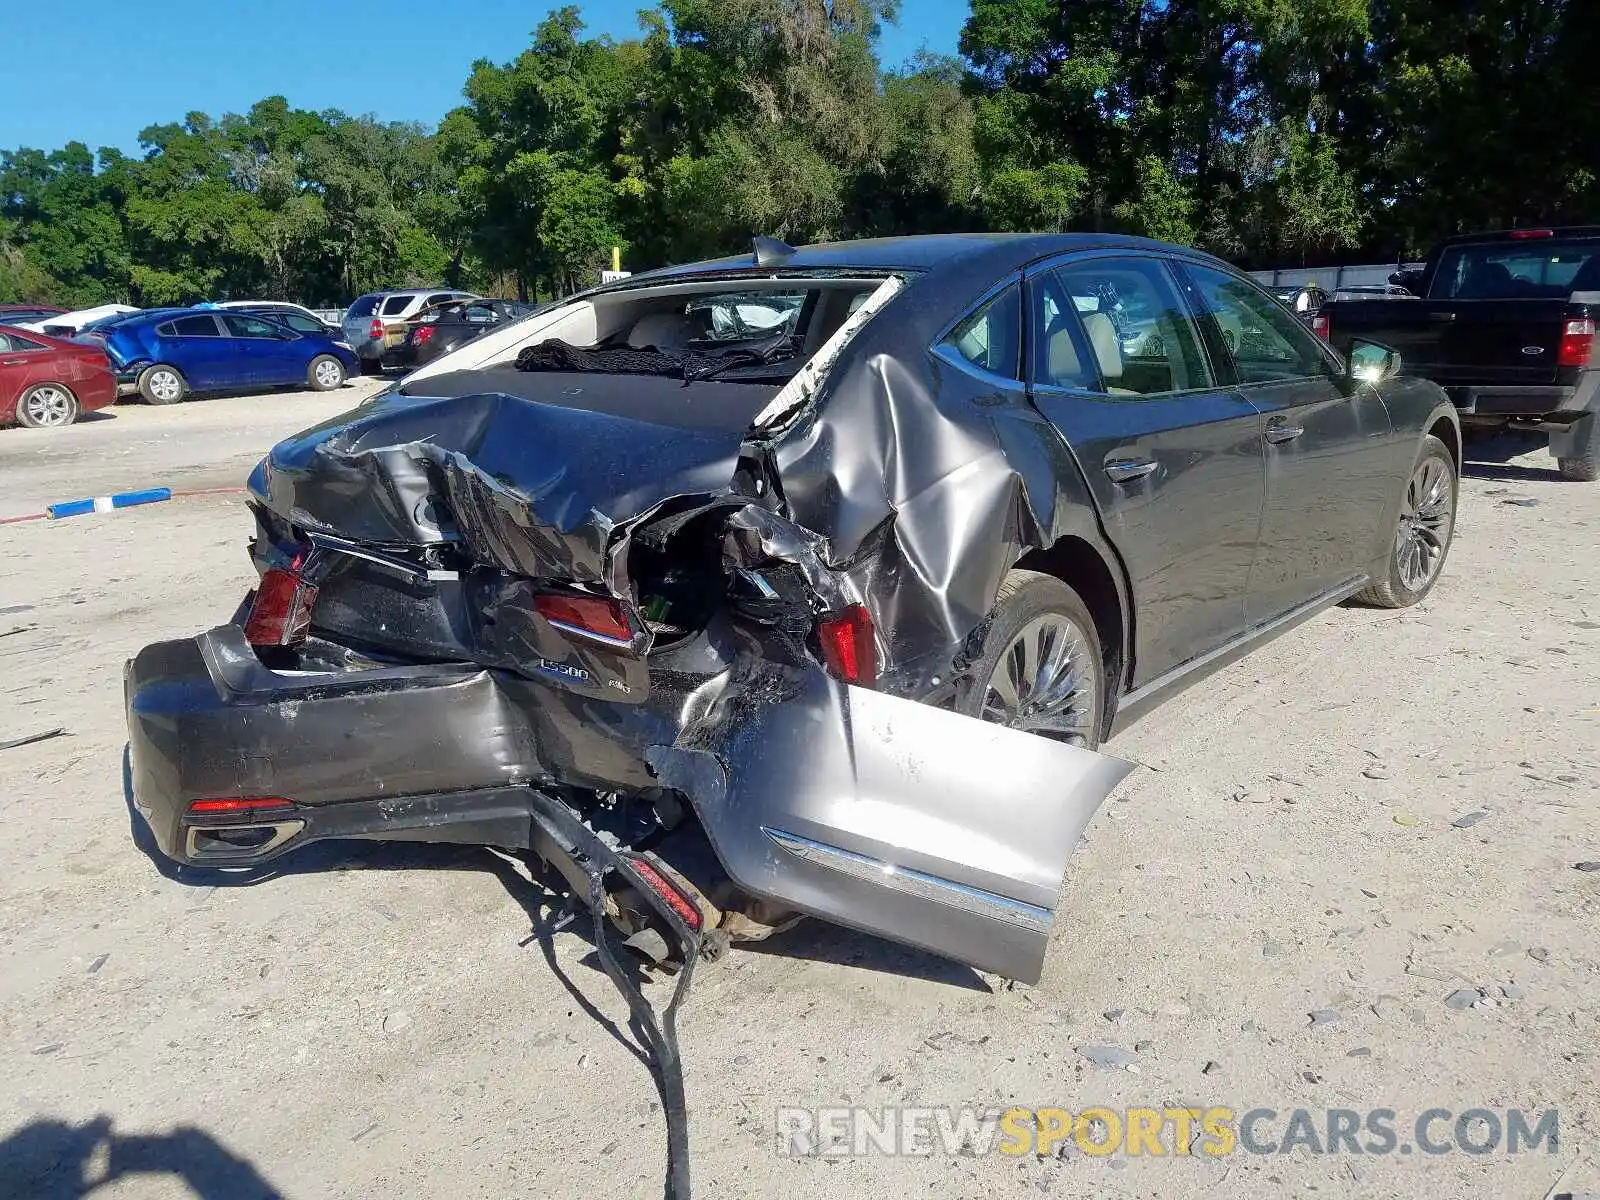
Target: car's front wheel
<point x="162" y="384"/>
<point x="47" y="406"/>
<point x="1041" y="669"/>
<point x="325" y="373"/>
<point x="1422" y="535"/>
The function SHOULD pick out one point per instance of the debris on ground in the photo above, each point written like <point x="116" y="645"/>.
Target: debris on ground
<point x="28" y="739"/>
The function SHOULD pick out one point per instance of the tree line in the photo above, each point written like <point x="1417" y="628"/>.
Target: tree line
<point x="1271" y="132"/>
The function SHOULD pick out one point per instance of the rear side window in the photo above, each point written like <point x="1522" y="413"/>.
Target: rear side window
<point x="397" y="304"/>
<point x="194" y="327"/>
<point x="439" y="298"/>
<point x="10" y="342"/>
<point x="1142" y="338"/>
<point x="364" y="307"/>
<point x="298" y="321"/>
<point x="1532" y="269"/>
<point x="989" y="338"/>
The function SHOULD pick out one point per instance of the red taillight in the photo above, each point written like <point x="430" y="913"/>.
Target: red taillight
<point x="1322" y="326"/>
<point x="848" y="646"/>
<point x="281" y="613"/>
<point x="663" y="887"/>
<point x="422" y="335"/>
<point x="375" y="330"/>
<point x="594" y="616"/>
<point x="238" y="806"/>
<point x="1577" y="343"/>
<point x="1522" y="235"/>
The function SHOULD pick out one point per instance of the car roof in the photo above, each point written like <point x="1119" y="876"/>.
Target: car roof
<point x="940" y="254"/>
<point x="1523" y="235"/>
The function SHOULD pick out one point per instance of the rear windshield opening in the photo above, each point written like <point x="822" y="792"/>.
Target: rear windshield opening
<point x="1536" y="269"/>
<point x="363" y="307"/>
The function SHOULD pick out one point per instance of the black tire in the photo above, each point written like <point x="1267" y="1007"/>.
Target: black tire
<point x="1026" y="598"/>
<point x="47" y="406"/>
<point x="325" y="373"/>
<point x="156" y="384"/>
<point x="1585" y="466"/>
<point x="1395" y="591"/>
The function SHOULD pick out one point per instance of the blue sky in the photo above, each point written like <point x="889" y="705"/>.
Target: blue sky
<point x="99" y="71"/>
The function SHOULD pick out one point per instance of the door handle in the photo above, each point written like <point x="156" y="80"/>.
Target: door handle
<point x="1279" y="432"/>
<point x="1441" y="316"/>
<point x="1129" y="469"/>
<point x="12" y="362"/>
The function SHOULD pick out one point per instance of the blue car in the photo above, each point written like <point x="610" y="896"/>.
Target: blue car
<point x="167" y="353"/>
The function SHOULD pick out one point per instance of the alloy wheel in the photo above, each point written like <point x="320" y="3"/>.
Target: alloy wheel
<point x="1427" y="516"/>
<point x="329" y="375"/>
<point x="166" y="385"/>
<point x="1046" y="682"/>
<point x="48" y="406"/>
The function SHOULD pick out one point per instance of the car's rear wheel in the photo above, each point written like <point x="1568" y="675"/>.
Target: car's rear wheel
<point x="47" y="406"/>
<point x="1041" y="669"/>
<point x="325" y="373"/>
<point x="1422" y="535"/>
<point x="162" y="384"/>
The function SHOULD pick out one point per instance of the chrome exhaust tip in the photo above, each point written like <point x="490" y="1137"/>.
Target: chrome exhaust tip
<point x="238" y="843"/>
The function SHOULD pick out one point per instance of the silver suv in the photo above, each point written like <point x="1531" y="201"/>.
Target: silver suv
<point x="375" y="325"/>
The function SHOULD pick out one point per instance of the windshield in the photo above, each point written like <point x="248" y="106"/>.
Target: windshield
<point x="1533" y="269"/>
<point x="363" y="307"/>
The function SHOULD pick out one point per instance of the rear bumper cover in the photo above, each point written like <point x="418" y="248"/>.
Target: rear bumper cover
<point x="875" y="812"/>
<point x="1528" y="400"/>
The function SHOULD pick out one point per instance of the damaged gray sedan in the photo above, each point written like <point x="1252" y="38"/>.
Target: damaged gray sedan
<point x="732" y="555"/>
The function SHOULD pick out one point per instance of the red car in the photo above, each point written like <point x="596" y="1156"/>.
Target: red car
<point x="21" y="314"/>
<point x="46" y="381"/>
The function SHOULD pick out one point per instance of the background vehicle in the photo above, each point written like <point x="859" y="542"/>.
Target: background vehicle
<point x="15" y="314"/>
<point x="1304" y="300"/>
<point x="1380" y="291"/>
<point x="166" y="355"/>
<point x="718" y="580"/>
<point x="442" y="327"/>
<point x="68" y="323"/>
<point x="1507" y="324"/>
<point x="295" y="316"/>
<point x="375" y="325"/>
<point x="46" y="382"/>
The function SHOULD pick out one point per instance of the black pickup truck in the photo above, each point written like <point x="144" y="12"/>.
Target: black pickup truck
<point x="1506" y="323"/>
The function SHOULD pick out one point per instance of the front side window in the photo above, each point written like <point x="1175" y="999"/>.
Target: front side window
<point x="439" y="298"/>
<point x="250" y="327"/>
<point x="300" y="322"/>
<point x="1142" y="339"/>
<point x="1266" y="342"/>
<point x="989" y="338"/>
<point x="195" y="327"/>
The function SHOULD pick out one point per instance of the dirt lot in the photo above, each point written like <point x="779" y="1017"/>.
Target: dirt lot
<point x="380" y="1021"/>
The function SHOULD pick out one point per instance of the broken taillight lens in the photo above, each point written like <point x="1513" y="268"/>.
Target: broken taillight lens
<point x="242" y="805"/>
<point x="1577" y="343"/>
<point x="281" y="614"/>
<point x="597" y="617"/>
<point x="1322" y="326"/>
<point x="422" y="335"/>
<point x="848" y="646"/>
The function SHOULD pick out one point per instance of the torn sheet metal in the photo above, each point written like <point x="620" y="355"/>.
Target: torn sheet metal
<point x="886" y="815"/>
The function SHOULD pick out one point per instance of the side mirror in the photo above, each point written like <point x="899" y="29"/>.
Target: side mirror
<point x="1371" y="362"/>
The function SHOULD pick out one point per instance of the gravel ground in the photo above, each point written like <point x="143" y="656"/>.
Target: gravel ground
<point x="381" y="1021"/>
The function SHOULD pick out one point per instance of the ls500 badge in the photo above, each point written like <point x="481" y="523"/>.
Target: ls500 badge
<point x="558" y="670"/>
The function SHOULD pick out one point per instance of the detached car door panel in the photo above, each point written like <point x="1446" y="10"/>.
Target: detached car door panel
<point x="1172" y="457"/>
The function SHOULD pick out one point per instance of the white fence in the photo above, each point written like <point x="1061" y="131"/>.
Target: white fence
<point x="1331" y="279"/>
